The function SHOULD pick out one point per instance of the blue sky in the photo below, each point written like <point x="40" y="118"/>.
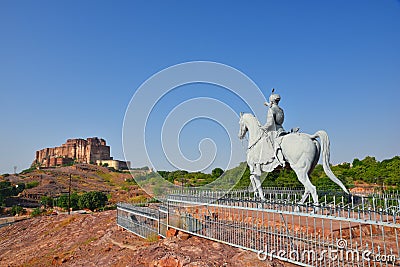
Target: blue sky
<point x="69" y="68"/>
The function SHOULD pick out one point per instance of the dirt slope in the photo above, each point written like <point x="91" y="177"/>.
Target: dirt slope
<point x="95" y="240"/>
<point x="84" y="178"/>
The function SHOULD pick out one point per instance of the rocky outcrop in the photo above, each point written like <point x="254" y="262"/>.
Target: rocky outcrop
<point x="96" y="240"/>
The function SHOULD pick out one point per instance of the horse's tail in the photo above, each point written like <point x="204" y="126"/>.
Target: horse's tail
<point x="323" y="136"/>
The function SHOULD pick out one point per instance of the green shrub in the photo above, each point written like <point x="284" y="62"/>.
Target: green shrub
<point x="32" y="184"/>
<point x="17" y="210"/>
<point x="31" y="169"/>
<point x="138" y="199"/>
<point x="112" y="169"/>
<point x="74" y="201"/>
<point x="68" y="164"/>
<point x="153" y="200"/>
<point x="62" y="201"/>
<point x="7" y="190"/>
<point x="46" y="201"/>
<point x="36" y="212"/>
<point x="92" y="200"/>
<point x="217" y="172"/>
<point x="130" y="181"/>
<point x="110" y="207"/>
<point x="152" y="238"/>
<point x="5" y="184"/>
<point x="125" y="188"/>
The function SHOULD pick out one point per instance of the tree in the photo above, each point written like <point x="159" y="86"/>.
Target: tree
<point x="217" y="172"/>
<point x="164" y="174"/>
<point x="20" y="187"/>
<point x="92" y="200"/>
<point x="36" y="212"/>
<point x="62" y="202"/>
<point x="74" y="201"/>
<point x="17" y="210"/>
<point x="356" y="162"/>
<point x="287" y="178"/>
<point x="32" y="184"/>
<point x="46" y="201"/>
<point x="7" y="190"/>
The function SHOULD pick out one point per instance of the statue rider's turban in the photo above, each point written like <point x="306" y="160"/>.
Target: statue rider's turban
<point x="274" y="98"/>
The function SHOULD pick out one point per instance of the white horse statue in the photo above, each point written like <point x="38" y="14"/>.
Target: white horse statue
<point x="300" y="150"/>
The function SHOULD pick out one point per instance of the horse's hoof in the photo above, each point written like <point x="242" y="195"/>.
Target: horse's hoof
<point x="316" y="209"/>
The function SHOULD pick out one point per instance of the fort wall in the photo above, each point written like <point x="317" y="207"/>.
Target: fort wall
<point x="78" y="150"/>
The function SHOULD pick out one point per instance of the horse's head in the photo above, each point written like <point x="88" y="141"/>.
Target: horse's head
<point x="249" y="123"/>
<point x="242" y="127"/>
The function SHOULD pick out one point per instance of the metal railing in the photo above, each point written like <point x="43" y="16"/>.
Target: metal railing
<point x="144" y="219"/>
<point x="343" y="230"/>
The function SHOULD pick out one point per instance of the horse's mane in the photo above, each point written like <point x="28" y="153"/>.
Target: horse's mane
<point x="251" y="116"/>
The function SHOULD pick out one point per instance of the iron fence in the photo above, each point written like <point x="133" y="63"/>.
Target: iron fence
<point x="143" y="219"/>
<point x="343" y="230"/>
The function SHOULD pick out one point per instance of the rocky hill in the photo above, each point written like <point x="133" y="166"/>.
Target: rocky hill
<point x="95" y="240"/>
<point x="84" y="177"/>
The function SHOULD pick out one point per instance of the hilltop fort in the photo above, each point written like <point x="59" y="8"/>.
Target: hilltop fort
<point x="93" y="150"/>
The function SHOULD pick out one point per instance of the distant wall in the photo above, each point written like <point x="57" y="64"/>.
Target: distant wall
<point x="116" y="164"/>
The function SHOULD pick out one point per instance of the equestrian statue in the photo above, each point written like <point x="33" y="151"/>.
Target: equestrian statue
<point x="271" y="147"/>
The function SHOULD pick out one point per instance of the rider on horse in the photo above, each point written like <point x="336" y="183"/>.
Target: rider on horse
<point x="270" y="147"/>
<point x="273" y="127"/>
<point x="275" y="115"/>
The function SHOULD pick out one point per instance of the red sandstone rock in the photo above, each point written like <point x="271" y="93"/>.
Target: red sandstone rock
<point x="197" y="264"/>
<point x="94" y="240"/>
<point x="183" y="236"/>
<point x="171" y="232"/>
<point x="169" y="261"/>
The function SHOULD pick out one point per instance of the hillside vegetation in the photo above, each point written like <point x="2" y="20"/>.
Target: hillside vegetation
<point x="47" y="184"/>
<point x="368" y="170"/>
<point x="53" y="183"/>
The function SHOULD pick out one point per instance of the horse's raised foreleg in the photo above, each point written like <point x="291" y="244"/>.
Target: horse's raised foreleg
<point x="256" y="173"/>
<point x="253" y="183"/>
<point x="258" y="186"/>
